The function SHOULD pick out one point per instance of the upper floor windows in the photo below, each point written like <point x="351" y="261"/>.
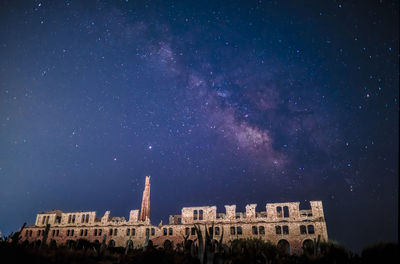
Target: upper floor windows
<point x="282" y="230"/>
<point x="71" y="219"/>
<point x="198" y="214"/>
<point x="282" y="211"/>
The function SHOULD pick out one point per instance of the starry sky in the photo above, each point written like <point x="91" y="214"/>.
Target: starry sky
<point x="221" y="102"/>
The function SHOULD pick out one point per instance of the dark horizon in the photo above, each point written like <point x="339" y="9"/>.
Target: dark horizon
<point x="247" y="102"/>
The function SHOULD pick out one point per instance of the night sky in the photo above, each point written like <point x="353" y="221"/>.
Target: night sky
<point x="221" y="102"/>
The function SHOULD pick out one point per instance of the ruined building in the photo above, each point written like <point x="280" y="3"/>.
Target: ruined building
<point x="283" y="224"/>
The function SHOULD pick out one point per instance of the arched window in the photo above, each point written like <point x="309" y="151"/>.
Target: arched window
<point x="83" y="218"/>
<point x="217" y="231"/>
<point x="200" y="214"/>
<point x="261" y="230"/>
<point x="133" y="231"/>
<point x="167" y="245"/>
<point x="129" y="244"/>
<point x="115" y="231"/>
<point x="170" y="231"/>
<point x="100" y="231"/>
<point x="153" y="231"/>
<point x="187" y="231"/>
<point x="43" y="219"/>
<point x="165" y="231"/>
<point x="87" y="218"/>
<point x="232" y="230"/>
<point x="285" y="230"/>
<point x="193" y="231"/>
<point x="210" y="230"/>
<point x="254" y="230"/>
<point x="285" y="211"/>
<point x="53" y="233"/>
<point x="111" y="243"/>
<point x="26" y="233"/>
<point x="73" y="219"/>
<point x="86" y="232"/>
<point x="308" y="247"/>
<point x="310" y="229"/>
<point x="38" y="233"/>
<point x="58" y="232"/>
<point x="68" y="232"/>
<point x="279" y="211"/>
<point x="30" y="233"/>
<point x="195" y="215"/>
<point x="303" y="230"/>
<point x="81" y="232"/>
<point x="95" y="232"/>
<point x="284" y="246"/>
<point x="128" y="231"/>
<point x="239" y="230"/>
<point x="72" y="232"/>
<point x="110" y="232"/>
<point x="69" y="219"/>
<point x="278" y="230"/>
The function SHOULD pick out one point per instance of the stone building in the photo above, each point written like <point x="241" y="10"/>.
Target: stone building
<point x="283" y="224"/>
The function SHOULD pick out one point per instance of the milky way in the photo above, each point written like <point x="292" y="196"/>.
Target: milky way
<point x="246" y="102"/>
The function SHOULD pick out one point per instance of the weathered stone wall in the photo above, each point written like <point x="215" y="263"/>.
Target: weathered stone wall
<point x="283" y="216"/>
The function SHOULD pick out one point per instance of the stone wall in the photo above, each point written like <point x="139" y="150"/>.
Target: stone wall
<point x="280" y="221"/>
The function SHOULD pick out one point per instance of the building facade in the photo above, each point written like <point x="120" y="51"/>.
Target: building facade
<point x="283" y="224"/>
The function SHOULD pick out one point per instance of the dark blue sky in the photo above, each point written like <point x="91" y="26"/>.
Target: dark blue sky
<point x="220" y="102"/>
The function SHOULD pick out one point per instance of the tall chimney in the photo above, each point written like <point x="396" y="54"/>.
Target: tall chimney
<point x="145" y="211"/>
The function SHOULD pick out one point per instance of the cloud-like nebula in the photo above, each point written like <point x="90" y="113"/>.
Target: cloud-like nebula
<point x="261" y="113"/>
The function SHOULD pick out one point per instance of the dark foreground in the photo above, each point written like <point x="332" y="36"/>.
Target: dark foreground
<point x="240" y="251"/>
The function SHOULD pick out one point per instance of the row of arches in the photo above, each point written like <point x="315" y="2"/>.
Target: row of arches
<point x="283" y="245"/>
<point x="307" y="246"/>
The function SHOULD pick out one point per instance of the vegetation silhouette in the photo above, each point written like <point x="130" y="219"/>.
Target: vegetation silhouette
<point x="203" y="250"/>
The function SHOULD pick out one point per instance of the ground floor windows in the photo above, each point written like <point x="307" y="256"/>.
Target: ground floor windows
<point x="310" y="229"/>
<point x="70" y="232"/>
<point x="238" y="230"/>
<point x="285" y="230"/>
<point x="84" y="232"/>
<point x="307" y="230"/>
<point x="279" y="230"/>
<point x="217" y="232"/>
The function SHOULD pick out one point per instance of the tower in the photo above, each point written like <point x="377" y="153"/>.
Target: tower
<point x="145" y="211"/>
